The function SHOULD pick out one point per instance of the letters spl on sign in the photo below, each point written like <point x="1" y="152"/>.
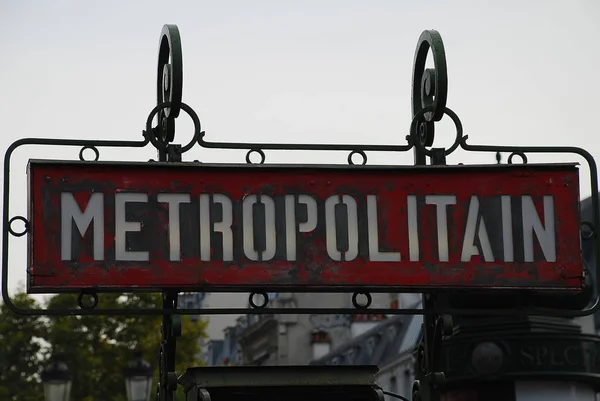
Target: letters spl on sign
<point x="216" y="227"/>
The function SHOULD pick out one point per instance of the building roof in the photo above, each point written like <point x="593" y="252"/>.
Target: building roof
<point x="378" y="346"/>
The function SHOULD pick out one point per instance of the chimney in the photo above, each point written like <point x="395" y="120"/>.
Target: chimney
<point x="321" y="344"/>
<point x="364" y="322"/>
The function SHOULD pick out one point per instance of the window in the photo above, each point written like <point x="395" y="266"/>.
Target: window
<point x="393" y="385"/>
<point x="408" y="383"/>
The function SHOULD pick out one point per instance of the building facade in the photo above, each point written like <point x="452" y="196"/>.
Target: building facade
<point x="388" y="345"/>
<point x="294" y="339"/>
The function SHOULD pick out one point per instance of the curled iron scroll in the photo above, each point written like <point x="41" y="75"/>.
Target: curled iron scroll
<point x="429" y="85"/>
<point x="169" y="80"/>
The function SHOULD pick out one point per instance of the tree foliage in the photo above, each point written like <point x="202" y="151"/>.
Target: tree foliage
<point x="96" y="348"/>
<point x="20" y="352"/>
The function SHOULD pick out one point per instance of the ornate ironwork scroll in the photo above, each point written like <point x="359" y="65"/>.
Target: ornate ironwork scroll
<point x="169" y="81"/>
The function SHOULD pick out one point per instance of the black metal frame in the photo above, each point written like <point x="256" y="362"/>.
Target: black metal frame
<point x="169" y="152"/>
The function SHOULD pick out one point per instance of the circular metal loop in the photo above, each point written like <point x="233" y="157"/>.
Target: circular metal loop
<point x="170" y="71"/>
<point x="163" y="145"/>
<point x="253" y="305"/>
<point x="260" y="153"/>
<point x="94" y="149"/>
<point x="357" y="305"/>
<point x="426" y="132"/>
<point x="520" y="154"/>
<point x="357" y="152"/>
<point x="590" y="232"/>
<point x="430" y="86"/>
<point x="94" y="299"/>
<point x="18" y="233"/>
<point x="416" y="123"/>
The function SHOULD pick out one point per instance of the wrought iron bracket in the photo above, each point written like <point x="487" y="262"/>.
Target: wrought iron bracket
<point x="429" y="377"/>
<point x="429" y="105"/>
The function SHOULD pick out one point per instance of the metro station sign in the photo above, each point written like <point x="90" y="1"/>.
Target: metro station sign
<point x="193" y="226"/>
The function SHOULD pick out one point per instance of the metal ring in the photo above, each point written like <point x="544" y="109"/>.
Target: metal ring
<point x="163" y="145"/>
<point x="426" y="132"/>
<point x="93" y="148"/>
<point x="92" y="294"/>
<point x="520" y="154"/>
<point x="417" y="119"/>
<point x="20" y="233"/>
<point x="255" y="306"/>
<point x="590" y="226"/>
<point x="260" y="152"/>
<point x="359" y="306"/>
<point x="357" y="152"/>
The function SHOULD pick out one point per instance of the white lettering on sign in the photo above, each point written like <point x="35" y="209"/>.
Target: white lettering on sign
<point x="507" y="229"/>
<point x="374" y="253"/>
<point x="70" y="212"/>
<point x="475" y="222"/>
<point x="122" y="227"/>
<point x="351" y="227"/>
<point x="441" y="202"/>
<point x="413" y="228"/>
<point x="290" y="221"/>
<point x="223" y="226"/>
<point x="174" y="200"/>
<point x="268" y="223"/>
<point x="287" y="227"/>
<point x="532" y="223"/>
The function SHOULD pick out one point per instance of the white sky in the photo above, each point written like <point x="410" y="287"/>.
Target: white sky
<point x="520" y="73"/>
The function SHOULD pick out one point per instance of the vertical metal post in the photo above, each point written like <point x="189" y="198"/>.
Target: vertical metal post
<point x="428" y="362"/>
<point x="171" y="324"/>
<point x="429" y="89"/>
<point x="169" y="89"/>
<point x="170" y="330"/>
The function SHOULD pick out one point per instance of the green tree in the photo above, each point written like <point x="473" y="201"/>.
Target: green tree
<point x="96" y="348"/>
<point x="20" y="352"/>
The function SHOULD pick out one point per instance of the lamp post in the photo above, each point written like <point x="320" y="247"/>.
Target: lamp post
<point x="57" y="379"/>
<point x="138" y="378"/>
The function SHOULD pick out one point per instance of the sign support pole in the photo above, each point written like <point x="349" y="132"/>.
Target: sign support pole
<point x="430" y="87"/>
<point x="171" y="323"/>
<point x="169" y="89"/>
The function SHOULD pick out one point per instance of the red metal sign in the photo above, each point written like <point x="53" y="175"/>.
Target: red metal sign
<point x="216" y="227"/>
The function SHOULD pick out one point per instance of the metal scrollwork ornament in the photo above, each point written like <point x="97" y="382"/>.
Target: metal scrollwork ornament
<point x="169" y="81"/>
<point x="429" y="86"/>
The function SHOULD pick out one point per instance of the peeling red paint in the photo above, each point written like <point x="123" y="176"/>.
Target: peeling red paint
<point x="314" y="268"/>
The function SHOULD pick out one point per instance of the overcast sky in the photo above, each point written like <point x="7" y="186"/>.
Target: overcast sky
<point x="520" y="73"/>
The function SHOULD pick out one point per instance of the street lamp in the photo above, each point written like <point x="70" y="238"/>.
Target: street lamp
<point x="56" y="379"/>
<point x="138" y="378"/>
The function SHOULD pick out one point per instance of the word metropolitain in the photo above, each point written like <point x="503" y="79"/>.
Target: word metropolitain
<point x="343" y="227"/>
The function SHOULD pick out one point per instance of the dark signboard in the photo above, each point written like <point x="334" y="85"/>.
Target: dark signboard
<point x="523" y="355"/>
<point x="117" y="226"/>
